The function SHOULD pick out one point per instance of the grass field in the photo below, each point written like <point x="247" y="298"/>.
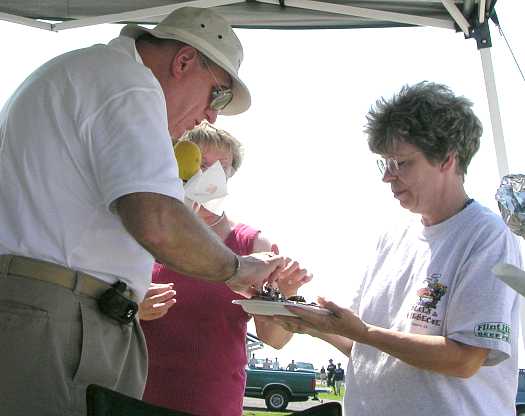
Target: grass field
<point x="322" y="396"/>
<point x="331" y="396"/>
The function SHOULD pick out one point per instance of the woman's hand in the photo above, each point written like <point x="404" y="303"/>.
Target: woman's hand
<point x="341" y="321"/>
<point x="158" y="300"/>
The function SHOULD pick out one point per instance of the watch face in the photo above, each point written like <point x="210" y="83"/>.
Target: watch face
<point x="275" y="307"/>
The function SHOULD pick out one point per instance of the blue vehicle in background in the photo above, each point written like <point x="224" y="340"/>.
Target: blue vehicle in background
<point x="520" y="396"/>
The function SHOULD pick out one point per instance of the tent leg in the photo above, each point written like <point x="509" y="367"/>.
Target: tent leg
<point x="495" y="117"/>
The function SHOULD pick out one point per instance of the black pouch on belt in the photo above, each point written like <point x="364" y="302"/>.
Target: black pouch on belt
<point x="114" y="304"/>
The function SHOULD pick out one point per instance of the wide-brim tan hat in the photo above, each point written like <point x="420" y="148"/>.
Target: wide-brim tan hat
<point x="210" y="34"/>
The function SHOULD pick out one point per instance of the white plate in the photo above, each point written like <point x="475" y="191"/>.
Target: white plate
<point x="271" y="308"/>
<point x="511" y="275"/>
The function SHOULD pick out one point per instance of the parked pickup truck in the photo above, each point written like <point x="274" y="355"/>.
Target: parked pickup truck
<point x="278" y="387"/>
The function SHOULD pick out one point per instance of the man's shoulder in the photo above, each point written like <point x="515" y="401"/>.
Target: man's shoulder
<point x="115" y="66"/>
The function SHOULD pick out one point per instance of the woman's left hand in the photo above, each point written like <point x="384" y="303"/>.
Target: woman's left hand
<point x="341" y="321"/>
<point x="158" y="300"/>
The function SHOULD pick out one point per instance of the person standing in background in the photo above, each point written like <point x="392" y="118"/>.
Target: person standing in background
<point x="339" y="378"/>
<point x="322" y="376"/>
<point x="253" y="362"/>
<point x="292" y="366"/>
<point x="330" y="370"/>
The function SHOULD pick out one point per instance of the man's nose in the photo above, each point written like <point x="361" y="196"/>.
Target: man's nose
<point x="211" y="115"/>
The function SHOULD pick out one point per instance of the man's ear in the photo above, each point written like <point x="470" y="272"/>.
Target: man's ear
<point x="183" y="61"/>
<point x="449" y="162"/>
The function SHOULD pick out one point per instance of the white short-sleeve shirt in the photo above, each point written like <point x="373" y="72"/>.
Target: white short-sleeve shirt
<point x="83" y="130"/>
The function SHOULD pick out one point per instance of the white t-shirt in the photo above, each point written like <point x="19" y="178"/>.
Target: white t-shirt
<point x="437" y="280"/>
<point x="83" y="130"/>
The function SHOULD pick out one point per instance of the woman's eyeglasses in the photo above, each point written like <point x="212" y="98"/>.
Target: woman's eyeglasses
<point x="394" y="166"/>
<point x="390" y="165"/>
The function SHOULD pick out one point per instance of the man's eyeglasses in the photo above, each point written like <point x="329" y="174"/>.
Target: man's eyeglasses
<point x="220" y="97"/>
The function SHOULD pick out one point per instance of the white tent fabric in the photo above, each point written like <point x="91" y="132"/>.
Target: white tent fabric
<point x="468" y="16"/>
<point x="246" y="14"/>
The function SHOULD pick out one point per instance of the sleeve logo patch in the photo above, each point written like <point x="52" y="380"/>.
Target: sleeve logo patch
<point x="493" y="330"/>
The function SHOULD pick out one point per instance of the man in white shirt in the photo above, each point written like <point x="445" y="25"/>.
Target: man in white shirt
<point x="90" y="195"/>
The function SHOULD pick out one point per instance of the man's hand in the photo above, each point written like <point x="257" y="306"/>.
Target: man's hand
<point x="255" y="270"/>
<point x="158" y="300"/>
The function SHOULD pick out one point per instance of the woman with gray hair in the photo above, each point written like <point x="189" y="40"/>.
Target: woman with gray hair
<point x="431" y="329"/>
<point x="197" y="353"/>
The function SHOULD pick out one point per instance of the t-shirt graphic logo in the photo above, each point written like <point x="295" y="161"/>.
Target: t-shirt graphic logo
<point x="493" y="330"/>
<point x="430" y="295"/>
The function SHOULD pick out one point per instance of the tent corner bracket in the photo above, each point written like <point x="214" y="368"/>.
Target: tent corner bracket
<point x="481" y="32"/>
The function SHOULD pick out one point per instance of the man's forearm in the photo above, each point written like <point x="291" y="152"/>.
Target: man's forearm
<point x="175" y="236"/>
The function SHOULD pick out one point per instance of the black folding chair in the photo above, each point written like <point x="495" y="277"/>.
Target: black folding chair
<point x="326" y="409"/>
<point x="102" y="401"/>
<point x="105" y="402"/>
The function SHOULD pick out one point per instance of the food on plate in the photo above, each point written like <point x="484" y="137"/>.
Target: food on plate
<point x="273" y="294"/>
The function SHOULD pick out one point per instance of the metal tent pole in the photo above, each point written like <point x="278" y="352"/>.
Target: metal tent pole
<point x="481" y="33"/>
<point x="495" y="117"/>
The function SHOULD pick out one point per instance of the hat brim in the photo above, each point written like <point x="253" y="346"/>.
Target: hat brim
<point x="241" y="95"/>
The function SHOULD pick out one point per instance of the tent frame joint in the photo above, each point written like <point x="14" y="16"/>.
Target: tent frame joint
<point x="481" y="32"/>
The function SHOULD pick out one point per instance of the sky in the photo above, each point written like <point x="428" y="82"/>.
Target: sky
<point x="308" y="180"/>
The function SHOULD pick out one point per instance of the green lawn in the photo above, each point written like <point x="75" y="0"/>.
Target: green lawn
<point x="322" y="396"/>
<point x="331" y="396"/>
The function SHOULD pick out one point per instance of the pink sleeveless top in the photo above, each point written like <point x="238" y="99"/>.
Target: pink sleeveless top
<point x="197" y="352"/>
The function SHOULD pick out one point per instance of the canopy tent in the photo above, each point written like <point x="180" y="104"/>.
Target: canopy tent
<point x="468" y="16"/>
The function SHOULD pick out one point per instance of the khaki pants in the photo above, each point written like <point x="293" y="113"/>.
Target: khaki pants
<point x="337" y="386"/>
<point x="54" y="342"/>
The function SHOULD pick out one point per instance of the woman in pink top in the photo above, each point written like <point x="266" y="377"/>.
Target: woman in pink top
<point x="197" y="353"/>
